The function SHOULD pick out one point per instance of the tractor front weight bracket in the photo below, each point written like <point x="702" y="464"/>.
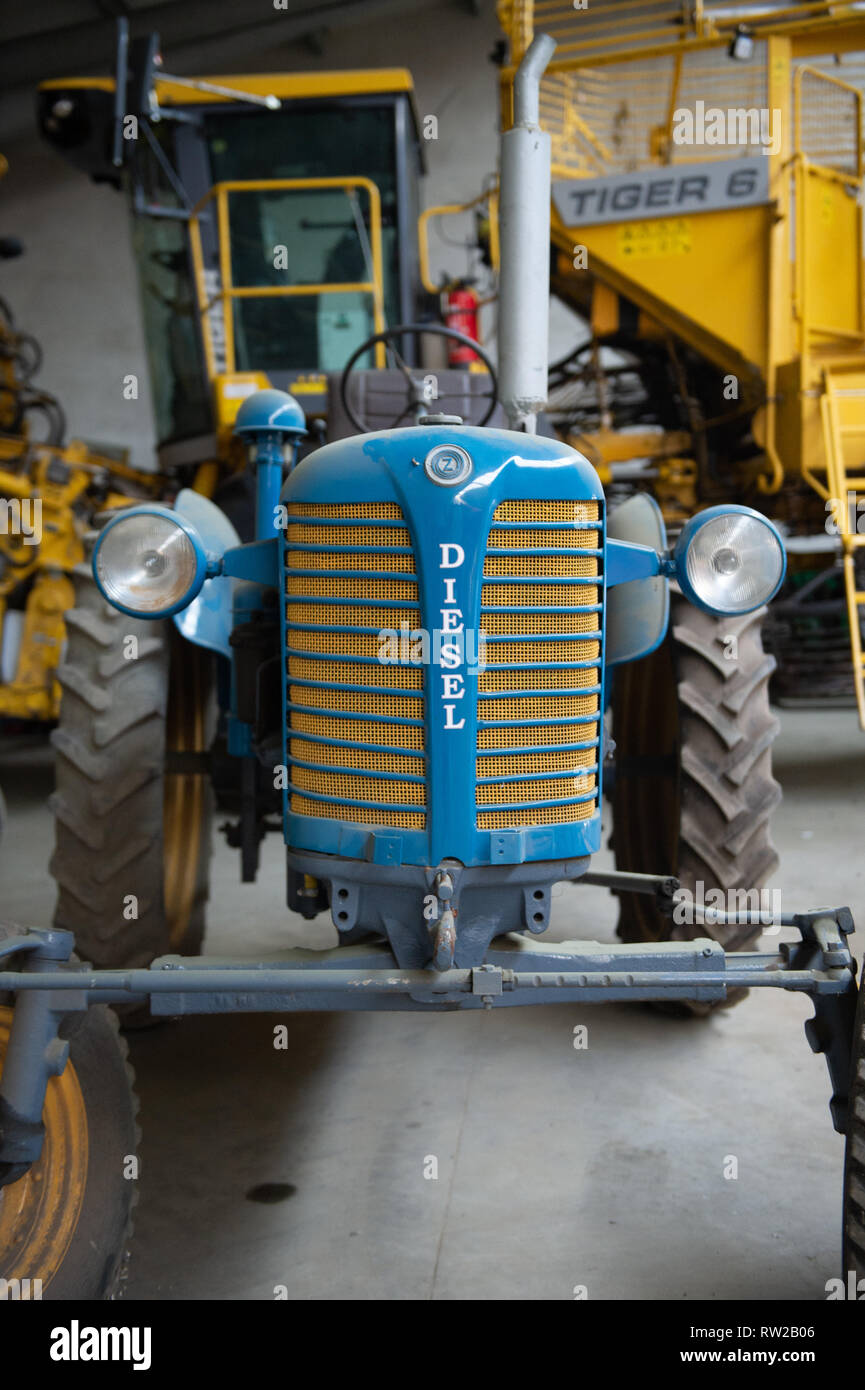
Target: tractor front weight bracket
<point x="49" y="987"/>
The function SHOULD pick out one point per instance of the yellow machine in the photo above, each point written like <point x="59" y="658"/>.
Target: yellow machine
<point x="48" y="494"/>
<point x="707" y="223"/>
<point x="54" y="494"/>
<point x="274" y="229"/>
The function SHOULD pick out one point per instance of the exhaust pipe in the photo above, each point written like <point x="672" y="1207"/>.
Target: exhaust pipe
<point x="524" y="230"/>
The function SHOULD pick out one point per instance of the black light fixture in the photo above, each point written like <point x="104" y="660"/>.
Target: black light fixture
<point x="742" y="44"/>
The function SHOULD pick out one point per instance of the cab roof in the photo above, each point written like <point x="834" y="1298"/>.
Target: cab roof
<point x="286" y="85"/>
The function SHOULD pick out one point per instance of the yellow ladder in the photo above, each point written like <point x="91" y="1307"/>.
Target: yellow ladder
<point x="842" y="407"/>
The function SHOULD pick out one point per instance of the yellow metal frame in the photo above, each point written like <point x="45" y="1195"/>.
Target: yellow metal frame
<point x="806" y="168"/>
<point x="229" y="291"/>
<point x="451" y="210"/>
<point x="630" y="36"/>
<point x="840" y="486"/>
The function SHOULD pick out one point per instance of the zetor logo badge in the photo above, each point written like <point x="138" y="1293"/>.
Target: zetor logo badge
<point x="447" y="464"/>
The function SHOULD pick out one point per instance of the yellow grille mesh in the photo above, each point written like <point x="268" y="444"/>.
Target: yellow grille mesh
<point x="549" y="566"/>
<point x="541" y="678"/>
<point x="348" y="535"/>
<point x="355" y="783"/>
<point x="543" y="540"/>
<point x="537" y="736"/>
<point x="358" y="788"/>
<point x="349" y="673"/>
<point x="400" y="820"/>
<point x="382" y="619"/>
<point x="339" y="643"/>
<point x="359" y="759"/>
<point x="543" y="661"/>
<point x="502" y="624"/>
<point x="348" y="560"/>
<point x="358" y="731"/>
<point x="537" y="707"/>
<point x="394" y="706"/>
<point x="337" y="511"/>
<point x="524" y="764"/>
<point x="540" y="815"/>
<point x="538" y="596"/>
<point x="531" y="511"/>
<point x="551" y="789"/>
<point x="502" y="653"/>
<point x="392" y="590"/>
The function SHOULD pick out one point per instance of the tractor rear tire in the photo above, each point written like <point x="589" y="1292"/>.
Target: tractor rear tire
<point x="67" y="1221"/>
<point x="694" y="791"/>
<point x="133" y="839"/>
<point x="854" y="1161"/>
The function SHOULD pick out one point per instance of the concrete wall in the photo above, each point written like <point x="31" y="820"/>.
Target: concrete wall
<point x="75" y="288"/>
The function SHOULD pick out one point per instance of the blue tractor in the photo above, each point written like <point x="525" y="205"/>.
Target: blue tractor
<point x="416" y="650"/>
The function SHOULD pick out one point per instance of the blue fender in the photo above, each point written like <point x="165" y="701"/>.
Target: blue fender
<point x="207" y="621"/>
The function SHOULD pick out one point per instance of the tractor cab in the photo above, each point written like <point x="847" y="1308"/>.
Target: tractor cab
<point x="274" y="227"/>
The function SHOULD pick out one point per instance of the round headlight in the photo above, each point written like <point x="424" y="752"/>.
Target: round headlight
<point x="730" y="561"/>
<point x="149" y="563"/>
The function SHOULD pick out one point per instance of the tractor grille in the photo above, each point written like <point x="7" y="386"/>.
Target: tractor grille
<point x="356" y="732"/>
<point x="540" y="773"/>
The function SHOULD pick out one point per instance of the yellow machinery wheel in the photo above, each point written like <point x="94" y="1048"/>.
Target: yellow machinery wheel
<point x="187" y="798"/>
<point x="66" y="1222"/>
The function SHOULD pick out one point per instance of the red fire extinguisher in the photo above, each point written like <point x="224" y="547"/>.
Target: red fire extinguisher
<point x="460" y="311"/>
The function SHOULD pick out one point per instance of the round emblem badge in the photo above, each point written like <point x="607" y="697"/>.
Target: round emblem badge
<point x="447" y="464"/>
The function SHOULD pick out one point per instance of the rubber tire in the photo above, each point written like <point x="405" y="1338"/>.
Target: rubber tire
<point x="854" y="1158"/>
<point x="694" y="791"/>
<point x="95" y="1264"/>
<point x="111" y="783"/>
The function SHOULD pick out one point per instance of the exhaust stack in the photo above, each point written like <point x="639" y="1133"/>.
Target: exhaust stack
<point x="524" y="213"/>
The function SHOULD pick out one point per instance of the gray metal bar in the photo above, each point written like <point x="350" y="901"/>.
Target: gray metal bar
<point x="619" y="882"/>
<point x="291" y="981"/>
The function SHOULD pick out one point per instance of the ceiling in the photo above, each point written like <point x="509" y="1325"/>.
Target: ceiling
<point x="58" y="38"/>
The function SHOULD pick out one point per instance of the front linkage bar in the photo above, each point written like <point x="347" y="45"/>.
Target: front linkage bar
<point x="51" y="988"/>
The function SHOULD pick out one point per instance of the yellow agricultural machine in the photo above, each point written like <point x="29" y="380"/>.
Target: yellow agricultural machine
<point x="707" y="173"/>
<point x="274" y="229"/>
<point x="49" y="492"/>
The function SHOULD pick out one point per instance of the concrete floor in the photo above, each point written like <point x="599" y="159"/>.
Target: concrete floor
<point x="556" y="1167"/>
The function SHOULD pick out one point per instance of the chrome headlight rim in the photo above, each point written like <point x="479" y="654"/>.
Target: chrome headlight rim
<point x="689" y="534"/>
<point x="193" y="588"/>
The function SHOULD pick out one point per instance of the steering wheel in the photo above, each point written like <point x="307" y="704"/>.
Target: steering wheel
<point x="416" y="398"/>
